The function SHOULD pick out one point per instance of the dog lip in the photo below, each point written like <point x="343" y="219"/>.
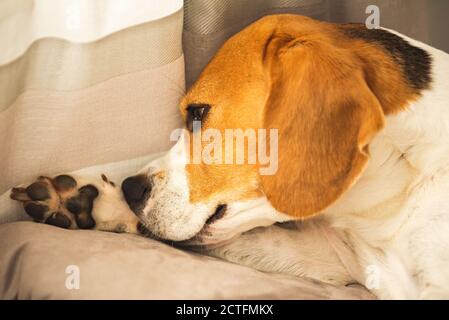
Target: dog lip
<point x="145" y="232"/>
<point x="218" y="214"/>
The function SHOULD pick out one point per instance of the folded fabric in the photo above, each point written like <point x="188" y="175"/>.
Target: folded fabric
<point x="73" y="20"/>
<point x="38" y="261"/>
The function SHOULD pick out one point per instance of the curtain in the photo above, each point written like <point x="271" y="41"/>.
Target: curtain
<point x="208" y="23"/>
<point x="86" y="82"/>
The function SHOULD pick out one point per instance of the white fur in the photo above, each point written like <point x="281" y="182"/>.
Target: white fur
<point x="397" y="217"/>
<point x="170" y="215"/>
<point x="241" y="216"/>
<point x="390" y="231"/>
<point x="393" y="223"/>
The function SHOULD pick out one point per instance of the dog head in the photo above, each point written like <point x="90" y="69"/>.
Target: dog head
<point x="298" y="90"/>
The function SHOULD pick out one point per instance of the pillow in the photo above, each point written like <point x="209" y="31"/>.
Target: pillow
<point x="34" y="259"/>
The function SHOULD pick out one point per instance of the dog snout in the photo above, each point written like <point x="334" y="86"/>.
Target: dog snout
<point x="136" y="190"/>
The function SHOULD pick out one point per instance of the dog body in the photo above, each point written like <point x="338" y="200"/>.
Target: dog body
<point x="396" y="216"/>
<point x="389" y="231"/>
<point x="363" y="171"/>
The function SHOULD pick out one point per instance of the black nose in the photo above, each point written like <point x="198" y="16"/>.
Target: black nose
<point x="136" y="190"/>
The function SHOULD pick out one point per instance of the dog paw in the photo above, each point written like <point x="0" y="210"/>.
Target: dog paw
<point x="58" y="201"/>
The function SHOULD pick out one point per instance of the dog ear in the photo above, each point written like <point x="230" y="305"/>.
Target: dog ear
<point x="326" y="115"/>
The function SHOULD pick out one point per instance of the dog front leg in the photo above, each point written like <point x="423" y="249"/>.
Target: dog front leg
<point x="302" y="252"/>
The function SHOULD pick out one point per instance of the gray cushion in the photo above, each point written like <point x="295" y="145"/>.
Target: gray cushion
<point x="34" y="258"/>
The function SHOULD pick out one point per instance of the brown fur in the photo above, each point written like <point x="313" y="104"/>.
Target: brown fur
<point x="327" y="93"/>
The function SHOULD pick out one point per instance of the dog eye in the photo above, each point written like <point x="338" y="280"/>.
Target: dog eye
<point x="196" y="112"/>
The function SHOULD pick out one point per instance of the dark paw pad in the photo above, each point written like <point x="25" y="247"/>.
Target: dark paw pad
<point x="59" y="220"/>
<point x="64" y="182"/>
<point x="85" y="221"/>
<point x="89" y="191"/>
<point x="35" y="210"/>
<point x="58" y="201"/>
<point x="81" y="206"/>
<point x="38" y="191"/>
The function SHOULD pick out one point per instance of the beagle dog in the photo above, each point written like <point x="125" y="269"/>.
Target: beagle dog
<point x="362" y="168"/>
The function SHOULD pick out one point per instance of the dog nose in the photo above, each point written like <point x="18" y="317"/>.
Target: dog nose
<point x="136" y="189"/>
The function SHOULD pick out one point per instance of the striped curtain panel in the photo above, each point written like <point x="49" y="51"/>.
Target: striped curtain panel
<point x="86" y="82"/>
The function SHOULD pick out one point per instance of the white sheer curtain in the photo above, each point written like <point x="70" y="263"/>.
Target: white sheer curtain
<point x="84" y="83"/>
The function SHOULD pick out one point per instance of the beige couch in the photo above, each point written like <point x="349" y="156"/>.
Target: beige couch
<point x="34" y="259"/>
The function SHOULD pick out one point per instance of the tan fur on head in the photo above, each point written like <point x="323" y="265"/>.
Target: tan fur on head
<point x="322" y="90"/>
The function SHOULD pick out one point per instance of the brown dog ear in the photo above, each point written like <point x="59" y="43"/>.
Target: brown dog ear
<point x="326" y="115"/>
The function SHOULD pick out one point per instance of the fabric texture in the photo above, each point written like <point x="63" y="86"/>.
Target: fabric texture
<point x="114" y="120"/>
<point x="34" y="259"/>
<point x="80" y="21"/>
<point x="72" y="97"/>
<point x="56" y="64"/>
<point x="209" y="23"/>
